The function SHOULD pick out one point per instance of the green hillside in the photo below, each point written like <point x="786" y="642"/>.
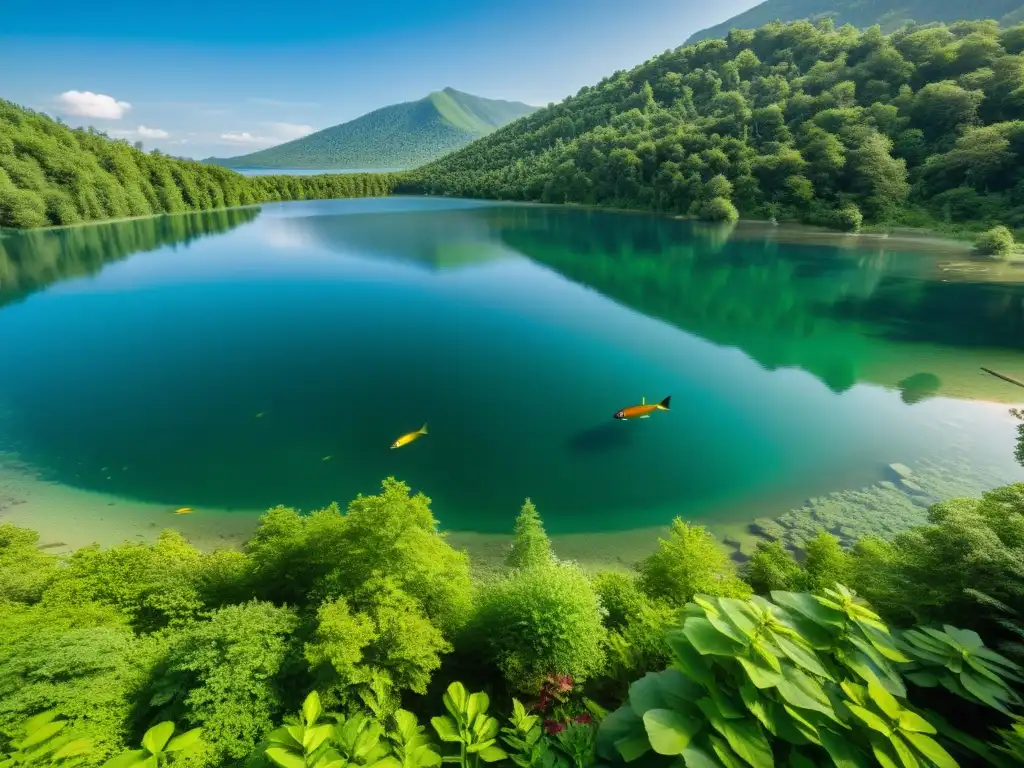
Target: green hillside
<point x="400" y="136"/>
<point x="889" y="14"/>
<point x="51" y="174"/>
<point x="800" y="121"/>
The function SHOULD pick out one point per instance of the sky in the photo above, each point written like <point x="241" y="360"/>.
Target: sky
<point x="201" y="78"/>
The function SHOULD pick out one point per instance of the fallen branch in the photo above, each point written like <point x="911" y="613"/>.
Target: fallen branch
<point x="1004" y="378"/>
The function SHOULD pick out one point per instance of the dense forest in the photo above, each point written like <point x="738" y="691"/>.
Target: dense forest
<point x="51" y="174"/>
<point x="685" y="656"/>
<point x="798" y="121"/>
<point x="395" y="137"/>
<point x="888" y="14"/>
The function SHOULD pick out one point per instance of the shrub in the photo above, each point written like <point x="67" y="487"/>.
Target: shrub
<point x="996" y="242"/>
<point x="620" y="597"/>
<point x="771" y="567"/>
<point x="719" y="209"/>
<point x="541" y="620"/>
<point x="848" y="218"/>
<point x="689" y="562"/>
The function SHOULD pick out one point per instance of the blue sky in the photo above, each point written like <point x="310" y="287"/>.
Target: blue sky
<point x="210" y="77"/>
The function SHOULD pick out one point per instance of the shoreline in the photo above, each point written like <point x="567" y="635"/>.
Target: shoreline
<point x="913" y="238"/>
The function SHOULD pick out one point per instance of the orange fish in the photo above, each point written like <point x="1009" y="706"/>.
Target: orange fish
<point x="184" y="511"/>
<point x="409" y="437"/>
<point x="642" y="411"/>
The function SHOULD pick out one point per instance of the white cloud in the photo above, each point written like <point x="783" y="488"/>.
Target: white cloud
<point x="89" y="104"/>
<point x="289" y="131"/>
<point x="279" y="103"/>
<point x="244" y="137"/>
<point x="142" y="132"/>
<point x="179" y="141"/>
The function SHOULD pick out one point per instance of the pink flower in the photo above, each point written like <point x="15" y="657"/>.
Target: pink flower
<point x="584" y="718"/>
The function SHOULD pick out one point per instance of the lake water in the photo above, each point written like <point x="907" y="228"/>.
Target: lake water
<point x="236" y="360"/>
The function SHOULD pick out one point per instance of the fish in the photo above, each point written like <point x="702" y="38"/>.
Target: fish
<point x="409" y="437"/>
<point x="642" y="411"/>
<point x="261" y="414"/>
<point x="184" y="511"/>
<point x="327" y="458"/>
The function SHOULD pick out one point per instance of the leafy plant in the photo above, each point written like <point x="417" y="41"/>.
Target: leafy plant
<point x="526" y="739"/>
<point x="813" y="679"/>
<point x="43" y="741"/>
<point x="468" y="725"/>
<point x="411" y="746"/>
<point x="158" y="747"/>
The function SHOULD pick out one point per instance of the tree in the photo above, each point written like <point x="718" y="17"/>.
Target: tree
<point x="531" y="545"/>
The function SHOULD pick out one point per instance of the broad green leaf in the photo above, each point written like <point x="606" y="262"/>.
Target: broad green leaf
<point x="298" y="732"/>
<point x="805" y="726"/>
<point x="678" y="690"/>
<point x="700" y="755"/>
<point x="726" y="704"/>
<point x="155" y="739"/>
<point x="477" y="704"/>
<point x="689" y="661"/>
<point x="759" y="674"/>
<point x="42" y="733"/>
<point x="633" y="747"/>
<point x="727" y="756"/>
<point x="518" y="709"/>
<point x="870" y="719"/>
<point x="843" y="753"/>
<point x="669" y="732"/>
<point x="708" y="640"/>
<point x="74" y="747"/>
<point x="884" y="752"/>
<point x="797" y="760"/>
<point x="740" y="614"/>
<point x="922" y="678"/>
<point x="987" y="692"/>
<point x="126" y="759"/>
<point x="621" y="724"/>
<point x="809" y="606"/>
<point x="35" y="722"/>
<point x="311" y="709"/>
<point x="747" y="741"/>
<point x="493" y="754"/>
<point x="645" y="694"/>
<point x="479" y="746"/>
<point x="756" y="705"/>
<point x="285" y="759"/>
<point x="985" y="669"/>
<point x="185" y="740"/>
<point x="387" y="762"/>
<point x="883" y="699"/>
<point x="446" y="728"/>
<point x="905" y="753"/>
<point x="283" y="737"/>
<point x="316" y="736"/>
<point x="455" y="699"/>
<point x="911" y="721"/>
<point x="802" y="657"/>
<point x="883" y="643"/>
<point x="931" y="749"/>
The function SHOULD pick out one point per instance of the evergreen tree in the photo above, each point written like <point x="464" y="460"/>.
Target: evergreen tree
<point x="531" y="546"/>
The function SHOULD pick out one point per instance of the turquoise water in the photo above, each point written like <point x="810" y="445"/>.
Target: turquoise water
<point x="137" y="357"/>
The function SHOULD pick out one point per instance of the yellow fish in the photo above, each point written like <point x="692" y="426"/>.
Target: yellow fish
<point x="409" y="437"/>
<point x="184" y="511"/>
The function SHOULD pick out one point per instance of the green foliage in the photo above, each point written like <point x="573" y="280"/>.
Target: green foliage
<point x="997" y="242"/>
<point x="814" y="680"/>
<point x="158" y="748"/>
<point x="25" y="572"/>
<point x="539" y="621"/>
<point x="689" y="562"/>
<point x="800" y="121"/>
<point x="530" y="545"/>
<point x="1018" y="452"/>
<point x="300" y="559"/>
<point x="772" y="568"/>
<point x="468" y="725"/>
<point x="44" y="740"/>
<point x="620" y="596"/>
<point x="224" y="674"/>
<point x="54" y="175"/>
<point x="398" y="136"/>
<point x="889" y="14"/>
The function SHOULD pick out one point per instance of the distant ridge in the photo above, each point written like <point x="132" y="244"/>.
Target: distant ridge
<point x="889" y="14"/>
<point x="400" y="136"/>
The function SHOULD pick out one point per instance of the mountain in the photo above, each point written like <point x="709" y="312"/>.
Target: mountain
<point x="400" y="136"/>
<point x="889" y="14"/>
<point x="801" y="122"/>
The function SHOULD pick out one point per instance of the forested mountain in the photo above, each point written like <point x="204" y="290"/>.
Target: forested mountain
<point x="400" y="136"/>
<point x="889" y="14"/>
<point x="52" y="174"/>
<point x="797" y="121"/>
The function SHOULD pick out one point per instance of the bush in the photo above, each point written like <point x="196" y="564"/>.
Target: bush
<point x="997" y="242"/>
<point x="719" y="209"/>
<point x="689" y="562"/>
<point x="620" y="597"/>
<point x="531" y="545"/>
<point x="540" y="621"/>
<point x="848" y="218"/>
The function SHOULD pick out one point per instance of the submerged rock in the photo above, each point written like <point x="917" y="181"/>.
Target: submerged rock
<point x="901" y="470"/>
<point x="768" y="528"/>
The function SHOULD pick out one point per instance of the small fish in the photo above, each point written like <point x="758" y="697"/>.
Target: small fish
<point x="642" y="411"/>
<point x="184" y="511"/>
<point x="409" y="437"/>
<point x="327" y="458"/>
<point x="261" y="414"/>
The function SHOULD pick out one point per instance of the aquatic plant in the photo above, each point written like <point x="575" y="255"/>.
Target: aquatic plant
<point x="44" y="740"/>
<point x="468" y="725"/>
<point x="530" y="543"/>
<point x="811" y="679"/>
<point x="158" y="748"/>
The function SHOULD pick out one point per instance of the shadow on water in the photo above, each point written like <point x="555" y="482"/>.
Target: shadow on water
<point x="919" y="387"/>
<point x="34" y="259"/>
<point x="604" y="437"/>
